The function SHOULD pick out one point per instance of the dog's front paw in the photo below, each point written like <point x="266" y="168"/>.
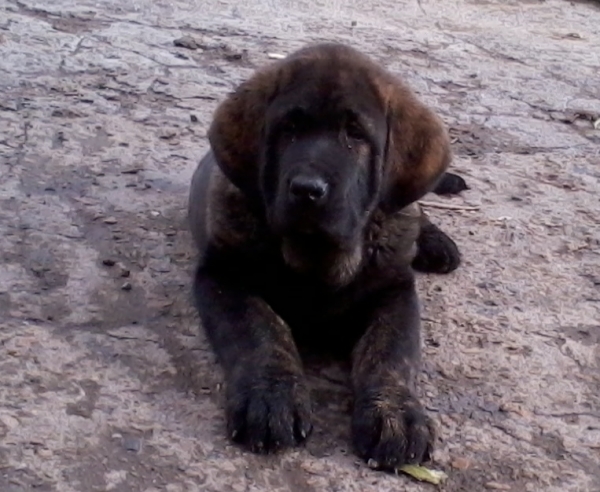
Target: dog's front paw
<point x="390" y="429"/>
<point x="268" y="409"/>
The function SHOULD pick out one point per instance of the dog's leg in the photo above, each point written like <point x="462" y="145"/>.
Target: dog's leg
<point x="436" y="251"/>
<point x="389" y="425"/>
<point x="267" y="401"/>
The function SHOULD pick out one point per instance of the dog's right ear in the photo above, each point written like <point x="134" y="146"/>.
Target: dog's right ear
<point x="236" y="134"/>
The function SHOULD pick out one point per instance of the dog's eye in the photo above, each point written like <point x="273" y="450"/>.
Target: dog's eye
<point x="355" y="131"/>
<point x="288" y="127"/>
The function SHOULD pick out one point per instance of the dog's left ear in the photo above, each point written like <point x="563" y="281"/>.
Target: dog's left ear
<point x="417" y="148"/>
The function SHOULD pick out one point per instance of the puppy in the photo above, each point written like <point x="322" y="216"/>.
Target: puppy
<point x="304" y="213"/>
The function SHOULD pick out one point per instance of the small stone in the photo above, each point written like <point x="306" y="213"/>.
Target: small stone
<point x="497" y="486"/>
<point x="193" y="118"/>
<point x="9" y="421"/>
<point x="44" y="453"/>
<point x="131" y="170"/>
<point x="509" y="407"/>
<point x="110" y="220"/>
<point x="187" y="42"/>
<point x="154" y="213"/>
<point x="9" y="105"/>
<point x="132" y="444"/>
<point x="125" y="273"/>
<point x="108" y="262"/>
<point x="167" y="133"/>
<point x="126" y="286"/>
<point x="233" y="56"/>
<point x="460" y="463"/>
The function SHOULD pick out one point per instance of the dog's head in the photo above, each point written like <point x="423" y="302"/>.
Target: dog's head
<point x="322" y="139"/>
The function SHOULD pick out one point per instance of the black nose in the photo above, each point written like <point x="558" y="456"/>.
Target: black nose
<point x="308" y="188"/>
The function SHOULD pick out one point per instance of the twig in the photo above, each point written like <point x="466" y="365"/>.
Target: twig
<point x="448" y="206"/>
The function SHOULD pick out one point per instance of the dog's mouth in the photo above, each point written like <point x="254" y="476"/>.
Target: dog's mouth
<point x="313" y="238"/>
<point x="328" y="227"/>
<point x="317" y="238"/>
<point x="321" y="256"/>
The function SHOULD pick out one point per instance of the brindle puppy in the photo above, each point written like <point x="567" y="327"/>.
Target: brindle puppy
<point x="305" y="217"/>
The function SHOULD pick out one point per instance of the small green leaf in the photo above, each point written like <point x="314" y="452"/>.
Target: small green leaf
<point x="423" y="474"/>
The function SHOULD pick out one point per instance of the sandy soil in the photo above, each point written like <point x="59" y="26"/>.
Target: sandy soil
<point x="107" y="382"/>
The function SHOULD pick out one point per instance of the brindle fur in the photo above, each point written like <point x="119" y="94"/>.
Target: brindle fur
<point x="260" y="295"/>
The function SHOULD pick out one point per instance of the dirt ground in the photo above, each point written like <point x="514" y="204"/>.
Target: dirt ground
<point x="106" y="380"/>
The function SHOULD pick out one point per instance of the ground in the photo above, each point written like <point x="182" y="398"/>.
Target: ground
<point x="107" y="381"/>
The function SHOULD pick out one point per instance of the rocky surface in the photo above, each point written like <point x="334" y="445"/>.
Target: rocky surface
<point x="107" y="382"/>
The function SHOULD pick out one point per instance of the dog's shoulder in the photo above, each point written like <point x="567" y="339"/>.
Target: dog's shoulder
<point x="220" y="214"/>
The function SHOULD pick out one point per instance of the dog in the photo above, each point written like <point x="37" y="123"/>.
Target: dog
<point x="304" y="211"/>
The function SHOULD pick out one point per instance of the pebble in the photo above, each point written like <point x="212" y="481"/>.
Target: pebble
<point x="110" y="220"/>
<point x="497" y="486"/>
<point x="167" y="133"/>
<point x="132" y="170"/>
<point x="460" y="463"/>
<point x="108" y="262"/>
<point x="187" y="42"/>
<point x="9" y="421"/>
<point x="44" y="453"/>
<point x="132" y="444"/>
<point x="126" y="286"/>
<point x="515" y="408"/>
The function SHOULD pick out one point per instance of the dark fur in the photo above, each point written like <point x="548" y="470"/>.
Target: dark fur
<point x="450" y="184"/>
<point x="276" y="270"/>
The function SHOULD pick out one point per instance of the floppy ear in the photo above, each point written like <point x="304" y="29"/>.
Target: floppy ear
<point x="417" y="149"/>
<point x="236" y="134"/>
